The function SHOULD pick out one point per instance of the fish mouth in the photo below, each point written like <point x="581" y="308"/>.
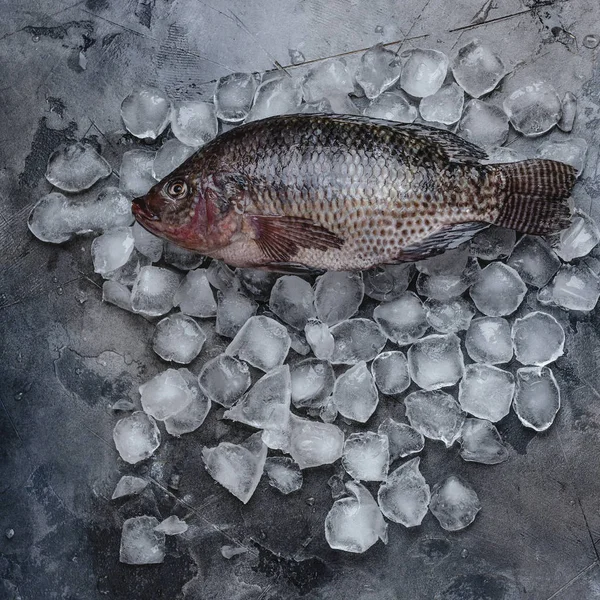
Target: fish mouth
<point x="140" y="210"/>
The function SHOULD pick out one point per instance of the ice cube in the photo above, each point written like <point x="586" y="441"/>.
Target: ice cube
<point x="390" y="373"/>
<point x="387" y="282"/>
<point x="436" y="361"/>
<point x="488" y="340"/>
<point x="234" y="95"/>
<point x="435" y="414"/>
<point x="445" y="106"/>
<point x="480" y="442"/>
<point x="220" y="275"/>
<point x="449" y="316"/>
<point x="403" y="320"/>
<point x="194" y="295"/>
<point x="338" y="294"/>
<point x="379" y="69"/>
<point x="292" y="300"/>
<point x="136" y="437"/>
<point x="328" y="413"/>
<point x="312" y="382"/>
<point x="579" y="239"/>
<point x="404" y="497"/>
<point x="534" y="260"/>
<point x="450" y="262"/>
<point x="444" y="287"/>
<point x="355" y="523"/>
<point x="147" y="243"/>
<point x="538" y="339"/>
<point x="112" y="250"/>
<point x="355" y="395"/>
<point x="257" y="283"/>
<point x="483" y="124"/>
<point x="533" y="109"/>
<point x="493" y="243"/>
<point x="311" y="108"/>
<point x="129" y="486"/>
<point x="188" y="419"/>
<point x="172" y="525"/>
<point x="178" y="338"/>
<point x="267" y="404"/>
<point x="392" y="106"/>
<point x="499" y="290"/>
<point x="128" y="272"/>
<point x="403" y="439"/>
<point x="319" y="339"/>
<point x="537" y="397"/>
<point x="284" y="474"/>
<point x="224" y="379"/>
<point x="366" y="456"/>
<point x="424" y="72"/>
<point x="477" y="69"/>
<point x="76" y="167"/>
<point x="170" y="155"/>
<point x="571" y="151"/>
<point x="501" y="154"/>
<point x="165" y="394"/>
<point x="146" y="111"/>
<point x="194" y="123"/>
<point x="233" y="310"/>
<point x="261" y="342"/>
<point x="135" y="174"/>
<point x="313" y="444"/>
<point x="278" y="95"/>
<point x="116" y="293"/>
<point x="181" y="258"/>
<point x="356" y="340"/>
<point x="228" y="551"/>
<point x="574" y="287"/>
<point x="141" y="544"/>
<point x="237" y="467"/>
<point x="454" y="503"/>
<point x="153" y="291"/>
<point x="486" y="392"/>
<point x="568" y="111"/>
<point x="325" y="79"/>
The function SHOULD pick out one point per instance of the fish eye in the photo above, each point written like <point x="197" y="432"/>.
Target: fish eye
<point x="177" y="189"/>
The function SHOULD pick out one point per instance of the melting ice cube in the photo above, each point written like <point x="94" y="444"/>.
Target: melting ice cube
<point x="392" y="106"/>
<point x="493" y="243"/>
<point x="165" y="394"/>
<point x="424" y="72"/>
<point x="135" y="174"/>
<point x="356" y="340"/>
<point x="234" y="309"/>
<point x="445" y="106"/>
<point x="488" y="340"/>
<point x="145" y="112"/>
<point x="355" y="395"/>
<point x="129" y="486"/>
<point x="403" y="320"/>
<point x="188" y="419"/>
<point x="486" y="392"/>
<point x="571" y="151"/>
<point x="449" y="316"/>
<point x="76" y="167"/>
<point x="136" y="437"/>
<point x="112" y="250"/>
<point x="436" y="361"/>
<point x="575" y="287"/>
<point x="284" y="474"/>
<point x="224" y="379"/>
<point x="170" y="155"/>
<point x="390" y="373"/>
<point x="234" y="95"/>
<point x="499" y="290"/>
<point x="172" y="525"/>
<point x="153" y="291"/>
<point x="194" y="123"/>
<point x="454" y="503"/>
<point x="379" y="69"/>
<point x="338" y="295"/>
<point x="278" y="95"/>
<point x="292" y="300"/>
<point x="366" y="456"/>
<point x="387" y="282"/>
<point x="537" y="397"/>
<point x="312" y="444"/>
<point x="533" y="109"/>
<point x="194" y="295"/>
<point x="141" y="544"/>
<point x="579" y="239"/>
<point x="483" y="124"/>
<point x="312" y="382"/>
<point x="477" y="69"/>
<point x="319" y="339"/>
<point x="534" y="260"/>
<point x="538" y="339"/>
<point x="403" y="439"/>
<point x="147" y="243"/>
<point x="480" y="442"/>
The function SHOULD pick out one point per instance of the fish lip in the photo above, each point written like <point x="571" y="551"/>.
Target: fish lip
<point x="139" y="208"/>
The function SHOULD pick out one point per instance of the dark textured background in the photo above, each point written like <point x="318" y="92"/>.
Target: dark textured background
<point x="66" y="357"/>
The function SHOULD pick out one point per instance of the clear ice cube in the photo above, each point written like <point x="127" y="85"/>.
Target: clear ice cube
<point x="488" y="340"/>
<point x="454" y="503"/>
<point x="403" y="320"/>
<point x="194" y="123"/>
<point x="537" y="397"/>
<point x="338" y="294"/>
<point x="477" y="69"/>
<point x="146" y="112"/>
<point x="403" y="439"/>
<point x="449" y="316"/>
<point x="127" y="273"/>
<point x="118" y="294"/>
<point x="390" y="373"/>
<point x="188" y="419"/>
<point x="424" y="72"/>
<point x="483" y="124"/>
<point x="136" y="437"/>
<point x="366" y="456"/>
<point x="292" y="300"/>
<point x="172" y="525"/>
<point x="312" y="444"/>
<point x="499" y="290"/>
<point x="147" y="243"/>
<point x="568" y="112"/>
<point x="387" y="282"/>
<point x="233" y="310"/>
<point x="579" y="239"/>
<point x="319" y="339"/>
<point x="194" y="296"/>
<point x="224" y="379"/>
<point x="574" y="287"/>
<point x="379" y="69"/>
<point x="450" y="262"/>
<point x="112" y="250"/>
<point x="234" y="95"/>
<point x="534" y="260"/>
<point x="257" y="283"/>
<point x="153" y="291"/>
<point x="170" y="155"/>
<point x="327" y="79"/>
<point x="165" y="394"/>
<point x="220" y="276"/>
<point x="284" y="474"/>
<point x="312" y="382"/>
<point x="356" y="340"/>
<point x="392" y="106"/>
<point x="436" y="361"/>
<point x="480" y="442"/>
<point x="533" y="109"/>
<point x="538" y="339"/>
<point x="76" y="167"/>
<point x="135" y="174"/>
<point x="278" y="95"/>
<point x="355" y="395"/>
<point x="129" y="485"/>
<point x="141" y="544"/>
<point x="181" y="258"/>
<point x="178" y="338"/>
<point x="445" y="106"/>
<point x="486" y="392"/>
<point x="493" y="243"/>
<point x="571" y="151"/>
<point x="446" y="286"/>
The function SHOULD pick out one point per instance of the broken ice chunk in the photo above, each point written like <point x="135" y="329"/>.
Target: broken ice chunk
<point x="569" y="112"/>
<point x="477" y="69"/>
<point x="403" y="320"/>
<point x="538" y="339"/>
<point x="355" y="395"/>
<point x="233" y="310"/>
<point x="312" y="444"/>
<point x="379" y="69"/>
<point x="172" y="525"/>
<point x="136" y="437"/>
<point x="194" y="123"/>
<point x="181" y="258"/>
<point x="312" y="382"/>
<point x="237" y="467"/>
<point x="403" y="439"/>
<point x="338" y="294"/>
<point x="145" y="112"/>
<point x="153" y="291"/>
<point x="499" y="290"/>
<point x="129" y="486"/>
<point x="581" y="237"/>
<point x="574" y="287"/>
<point x="356" y="340"/>
<point x="262" y="342"/>
<point x="284" y="474"/>
<point x="141" y="544"/>
<point x="486" y="392"/>
<point x="147" y="243"/>
<point x="355" y="523"/>
<point x="493" y="243"/>
<point x="135" y="174"/>
<point x="424" y="72"/>
<point x="112" y="250"/>
<point x="188" y="419"/>
<point x="488" y="341"/>
<point x="436" y="361"/>
<point x="392" y="106"/>
<point x="387" y="282"/>
<point x="319" y="339"/>
<point x="480" y="442"/>
<point x="220" y="275"/>
<point x="537" y="397"/>
<point x="404" y="497"/>
<point x="534" y="260"/>
<point x="444" y="287"/>
<point x="170" y="155"/>
<point x="571" y="151"/>
<point x="454" y="503"/>
<point x="445" y="106"/>
<point x="118" y="294"/>
<point x="194" y="295"/>
<point x="435" y="414"/>
<point x="483" y="124"/>
<point x="257" y="283"/>
<point x="165" y="394"/>
<point x="325" y="79"/>
<point x="76" y="167"/>
<point x="449" y="316"/>
<point x="278" y="95"/>
<point x="366" y="456"/>
<point x="292" y="300"/>
<point x="390" y="373"/>
<point x="234" y="95"/>
<point x="533" y="109"/>
<point x="224" y="379"/>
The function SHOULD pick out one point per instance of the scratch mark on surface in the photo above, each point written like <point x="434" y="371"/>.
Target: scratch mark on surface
<point x="11" y="421"/>
<point x="495" y="20"/>
<point x="483" y="13"/>
<point x="566" y="585"/>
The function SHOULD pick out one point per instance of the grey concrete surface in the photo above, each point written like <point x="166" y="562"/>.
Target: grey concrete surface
<point x="65" y="357"/>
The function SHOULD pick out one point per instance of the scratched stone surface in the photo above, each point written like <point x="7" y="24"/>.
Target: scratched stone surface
<point x="64" y="68"/>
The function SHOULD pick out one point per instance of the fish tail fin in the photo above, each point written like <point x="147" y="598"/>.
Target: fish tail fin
<point x="536" y="196"/>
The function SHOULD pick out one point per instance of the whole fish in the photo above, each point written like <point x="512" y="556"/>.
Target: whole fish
<point x="344" y="192"/>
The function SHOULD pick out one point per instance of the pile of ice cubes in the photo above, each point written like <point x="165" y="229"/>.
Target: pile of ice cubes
<point x="453" y="342"/>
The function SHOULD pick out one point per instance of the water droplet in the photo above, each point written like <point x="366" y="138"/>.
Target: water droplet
<point x="9" y="533"/>
<point x="591" y="41"/>
<point x="310" y="501"/>
<point x="60" y="291"/>
<point x="464" y="553"/>
<point x="19" y="396"/>
<point x="55" y="279"/>
<point x="379" y="29"/>
<point x="35" y="39"/>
